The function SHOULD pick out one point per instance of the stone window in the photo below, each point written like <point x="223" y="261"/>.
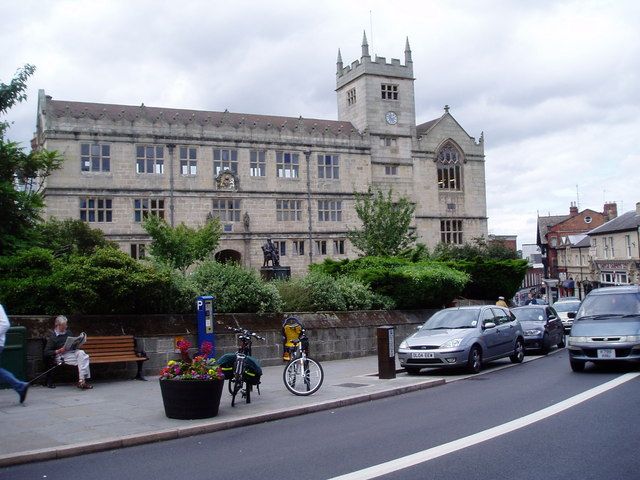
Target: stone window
<point x="613" y="252"/>
<point x="288" y="210"/>
<point x="94" y="209"/>
<point x="95" y="157"/>
<point x="298" y="247"/>
<point x="328" y="166"/>
<point x="389" y="91"/>
<point x="329" y="210"/>
<point x="449" y="168"/>
<point x="627" y="245"/>
<point x="138" y="250"/>
<point x="281" y="247"/>
<point x="388" y="141"/>
<point x="188" y="161"/>
<point x="338" y="247"/>
<point x="150" y="159"/>
<point x="226" y="209"/>
<point x="143" y="207"/>
<point x="224" y="159"/>
<point x="391" y="170"/>
<point x="258" y="164"/>
<point x="451" y="231"/>
<point x="321" y="247"/>
<point x="351" y="96"/>
<point x="287" y="165"/>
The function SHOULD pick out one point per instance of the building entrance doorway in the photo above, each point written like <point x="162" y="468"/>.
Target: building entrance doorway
<point x="228" y="256"/>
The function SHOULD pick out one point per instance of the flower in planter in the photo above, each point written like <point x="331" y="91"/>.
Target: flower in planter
<point x="197" y="368"/>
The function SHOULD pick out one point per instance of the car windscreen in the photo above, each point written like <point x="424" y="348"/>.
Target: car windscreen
<point x="445" y="319"/>
<point x="566" y="306"/>
<point x="610" y="304"/>
<point x="529" y="314"/>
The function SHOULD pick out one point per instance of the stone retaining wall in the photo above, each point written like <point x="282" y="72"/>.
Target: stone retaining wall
<point x="332" y="335"/>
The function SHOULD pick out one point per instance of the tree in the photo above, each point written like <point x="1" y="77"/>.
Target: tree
<point x="182" y="246"/>
<point x="69" y="236"/>
<point x="22" y="174"/>
<point x="386" y="225"/>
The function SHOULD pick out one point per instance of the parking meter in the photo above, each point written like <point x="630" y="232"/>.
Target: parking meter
<point x="206" y="313"/>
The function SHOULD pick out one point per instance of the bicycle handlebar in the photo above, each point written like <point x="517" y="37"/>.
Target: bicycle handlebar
<point x="243" y="331"/>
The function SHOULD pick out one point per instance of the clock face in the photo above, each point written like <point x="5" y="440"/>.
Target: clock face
<point x="391" y="118"/>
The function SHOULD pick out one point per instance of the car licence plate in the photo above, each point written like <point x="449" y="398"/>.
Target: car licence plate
<point x="423" y="355"/>
<point x="606" y="353"/>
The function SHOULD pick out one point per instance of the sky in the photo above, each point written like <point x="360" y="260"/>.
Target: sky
<point x="554" y="85"/>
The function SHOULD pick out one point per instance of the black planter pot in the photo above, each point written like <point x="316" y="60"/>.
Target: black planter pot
<point x="191" y="399"/>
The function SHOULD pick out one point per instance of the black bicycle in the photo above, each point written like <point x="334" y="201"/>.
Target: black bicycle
<point x="242" y="370"/>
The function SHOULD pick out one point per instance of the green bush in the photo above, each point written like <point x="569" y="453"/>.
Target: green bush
<point x="236" y="288"/>
<point x="107" y="281"/>
<point x="410" y="285"/>
<point x="319" y="291"/>
<point x="491" y="278"/>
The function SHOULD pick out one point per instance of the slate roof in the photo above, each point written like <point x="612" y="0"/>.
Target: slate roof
<point x="424" y="127"/>
<point x="545" y="222"/>
<point x="61" y="108"/>
<point x="626" y="221"/>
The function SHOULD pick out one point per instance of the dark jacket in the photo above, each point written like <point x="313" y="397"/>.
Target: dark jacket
<point x="54" y="342"/>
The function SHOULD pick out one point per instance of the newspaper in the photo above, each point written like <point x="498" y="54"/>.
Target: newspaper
<point x="74" y="342"/>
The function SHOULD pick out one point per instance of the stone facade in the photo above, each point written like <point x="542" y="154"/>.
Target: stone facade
<point x="291" y="179"/>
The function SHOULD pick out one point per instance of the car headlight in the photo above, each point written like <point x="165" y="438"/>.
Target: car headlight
<point x="403" y="345"/>
<point x="532" y="333"/>
<point x="452" y="343"/>
<point x="630" y="338"/>
<point x="572" y="340"/>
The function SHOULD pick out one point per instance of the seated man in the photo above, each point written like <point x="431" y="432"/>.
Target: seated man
<point x="55" y="349"/>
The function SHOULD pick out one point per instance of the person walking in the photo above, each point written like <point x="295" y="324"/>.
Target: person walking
<point x="6" y="376"/>
<point x="501" y="302"/>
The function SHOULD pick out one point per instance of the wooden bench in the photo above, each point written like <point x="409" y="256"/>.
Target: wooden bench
<point x="111" y="349"/>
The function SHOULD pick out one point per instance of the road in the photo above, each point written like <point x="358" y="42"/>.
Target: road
<point x="527" y="421"/>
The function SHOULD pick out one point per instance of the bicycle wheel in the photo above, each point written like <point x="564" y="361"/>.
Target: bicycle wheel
<point x="235" y="384"/>
<point x="303" y="376"/>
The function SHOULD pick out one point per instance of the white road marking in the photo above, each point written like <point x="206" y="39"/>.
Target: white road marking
<point x="446" y="448"/>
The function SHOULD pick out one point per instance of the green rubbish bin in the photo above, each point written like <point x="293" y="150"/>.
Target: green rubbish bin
<point x="14" y="355"/>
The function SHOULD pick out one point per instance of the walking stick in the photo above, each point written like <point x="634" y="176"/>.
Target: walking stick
<point x="44" y="373"/>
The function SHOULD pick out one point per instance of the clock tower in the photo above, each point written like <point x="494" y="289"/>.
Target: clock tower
<point x="377" y="96"/>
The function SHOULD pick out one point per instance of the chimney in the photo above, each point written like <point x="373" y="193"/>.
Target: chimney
<point x="638" y="208"/>
<point x="610" y="210"/>
<point x="573" y="209"/>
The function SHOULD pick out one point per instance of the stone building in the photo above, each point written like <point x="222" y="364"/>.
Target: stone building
<point x="292" y="179"/>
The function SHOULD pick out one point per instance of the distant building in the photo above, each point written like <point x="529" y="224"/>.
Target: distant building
<point x="615" y="250"/>
<point x="292" y="179"/>
<point x="507" y="241"/>
<point x="554" y="231"/>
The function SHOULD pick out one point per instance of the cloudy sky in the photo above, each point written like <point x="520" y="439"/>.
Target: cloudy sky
<point x="554" y="85"/>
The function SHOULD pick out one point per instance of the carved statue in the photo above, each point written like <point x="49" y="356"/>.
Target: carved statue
<point x="271" y="254"/>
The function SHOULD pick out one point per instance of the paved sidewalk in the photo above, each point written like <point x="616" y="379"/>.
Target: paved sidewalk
<point x="66" y="421"/>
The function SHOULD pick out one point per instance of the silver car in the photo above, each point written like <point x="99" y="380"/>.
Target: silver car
<point x="563" y="307"/>
<point x="606" y="327"/>
<point x="463" y="337"/>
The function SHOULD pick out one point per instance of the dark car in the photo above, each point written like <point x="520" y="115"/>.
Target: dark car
<point x="542" y="327"/>
<point x="606" y="327"/>
<point x="463" y="337"/>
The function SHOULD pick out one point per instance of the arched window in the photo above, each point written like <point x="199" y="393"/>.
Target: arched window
<point x="449" y="168"/>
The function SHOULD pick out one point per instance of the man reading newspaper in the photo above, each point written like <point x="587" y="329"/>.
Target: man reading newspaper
<point x="63" y="347"/>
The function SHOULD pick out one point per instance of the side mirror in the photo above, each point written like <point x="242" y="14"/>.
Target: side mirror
<point x="488" y="325"/>
<point x="571" y="314"/>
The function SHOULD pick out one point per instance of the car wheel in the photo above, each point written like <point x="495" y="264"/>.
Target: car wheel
<point x="576" y="365"/>
<point x="546" y="346"/>
<point x="518" y="352"/>
<point x="412" y="370"/>
<point x="474" y="364"/>
<point x="561" y="343"/>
